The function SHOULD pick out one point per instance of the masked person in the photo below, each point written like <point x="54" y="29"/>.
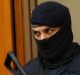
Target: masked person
<point x="52" y="31"/>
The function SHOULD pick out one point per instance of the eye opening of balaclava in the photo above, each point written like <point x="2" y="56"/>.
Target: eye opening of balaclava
<point x="56" y="49"/>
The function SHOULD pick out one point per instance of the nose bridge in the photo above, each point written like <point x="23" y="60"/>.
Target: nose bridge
<point x="43" y="36"/>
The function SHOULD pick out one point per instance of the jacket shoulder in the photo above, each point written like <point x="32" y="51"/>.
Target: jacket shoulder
<point x="74" y="66"/>
<point x="33" y="67"/>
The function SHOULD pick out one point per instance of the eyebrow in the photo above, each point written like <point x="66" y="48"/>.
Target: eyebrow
<point x="34" y="31"/>
<point x="34" y="26"/>
<point x="43" y="29"/>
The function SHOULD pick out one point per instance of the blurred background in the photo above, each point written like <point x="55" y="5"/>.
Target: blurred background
<point x="15" y="31"/>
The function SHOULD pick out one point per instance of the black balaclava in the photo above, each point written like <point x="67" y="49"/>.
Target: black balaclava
<point x="57" y="49"/>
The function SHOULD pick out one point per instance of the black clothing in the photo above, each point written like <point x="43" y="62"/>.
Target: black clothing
<point x="57" y="49"/>
<point x="57" y="55"/>
<point x="49" y="13"/>
<point x="72" y="67"/>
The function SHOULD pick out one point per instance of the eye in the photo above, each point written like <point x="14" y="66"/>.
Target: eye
<point x="49" y="30"/>
<point x="36" y="33"/>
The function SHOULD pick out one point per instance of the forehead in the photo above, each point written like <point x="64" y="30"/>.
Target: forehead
<point x="37" y="28"/>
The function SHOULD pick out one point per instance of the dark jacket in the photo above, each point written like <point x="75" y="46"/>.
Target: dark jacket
<point x="72" y="68"/>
